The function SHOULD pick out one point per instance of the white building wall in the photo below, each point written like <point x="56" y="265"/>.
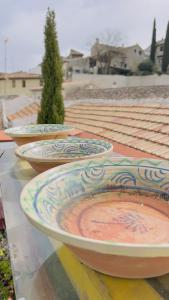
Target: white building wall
<point x="113" y="81"/>
<point x="18" y="89"/>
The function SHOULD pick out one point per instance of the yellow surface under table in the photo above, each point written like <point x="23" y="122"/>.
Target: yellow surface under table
<point x="92" y="285"/>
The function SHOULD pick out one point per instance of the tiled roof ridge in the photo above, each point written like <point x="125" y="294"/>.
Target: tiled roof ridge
<point x="144" y="131"/>
<point x="149" y="134"/>
<point x="20" y="75"/>
<point x="154" y="110"/>
<point x="25" y="111"/>
<point x="94" y="117"/>
<point x="144" y="105"/>
<point x="132" y="116"/>
<point x="116" y="122"/>
<point x="136" y="143"/>
<point x="133" y="142"/>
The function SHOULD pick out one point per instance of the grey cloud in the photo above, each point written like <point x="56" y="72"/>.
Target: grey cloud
<point x="77" y="21"/>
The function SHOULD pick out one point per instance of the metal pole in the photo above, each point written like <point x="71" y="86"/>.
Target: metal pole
<point x="4" y="118"/>
<point x="5" y="64"/>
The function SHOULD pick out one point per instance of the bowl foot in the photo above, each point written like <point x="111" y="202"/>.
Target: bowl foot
<point x="123" y="266"/>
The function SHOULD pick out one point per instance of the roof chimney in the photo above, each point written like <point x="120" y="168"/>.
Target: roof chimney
<point x="97" y="41"/>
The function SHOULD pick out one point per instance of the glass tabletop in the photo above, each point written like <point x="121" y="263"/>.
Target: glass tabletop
<point x="37" y="271"/>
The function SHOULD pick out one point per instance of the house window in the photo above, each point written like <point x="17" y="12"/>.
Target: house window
<point x="23" y="83"/>
<point x="135" y="50"/>
<point x="161" y="48"/>
<point x="140" y="52"/>
<point x="41" y="82"/>
<point x="13" y="83"/>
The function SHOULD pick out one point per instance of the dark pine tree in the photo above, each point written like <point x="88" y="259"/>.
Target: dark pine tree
<point x="165" y="61"/>
<point x="153" y="43"/>
<point x="52" y="106"/>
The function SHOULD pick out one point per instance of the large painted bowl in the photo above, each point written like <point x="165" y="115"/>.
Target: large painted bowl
<point x="44" y="155"/>
<point x="113" y="213"/>
<point x="31" y="133"/>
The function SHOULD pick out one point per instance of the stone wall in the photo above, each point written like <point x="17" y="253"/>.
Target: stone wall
<point x="157" y="92"/>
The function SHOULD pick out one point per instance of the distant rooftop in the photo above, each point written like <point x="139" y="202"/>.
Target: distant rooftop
<point x="161" y="42"/>
<point x="19" y="75"/>
<point x="103" y="48"/>
<point x="74" y="53"/>
<point x="158" y="43"/>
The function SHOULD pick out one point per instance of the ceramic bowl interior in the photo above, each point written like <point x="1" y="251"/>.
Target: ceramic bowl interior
<point x="64" y="149"/>
<point x="80" y="203"/>
<point x="37" y="130"/>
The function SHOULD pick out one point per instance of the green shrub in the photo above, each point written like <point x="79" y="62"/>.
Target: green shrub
<point x="165" y="61"/>
<point x="6" y="282"/>
<point x="159" y="73"/>
<point x="146" y="67"/>
<point x="52" y="105"/>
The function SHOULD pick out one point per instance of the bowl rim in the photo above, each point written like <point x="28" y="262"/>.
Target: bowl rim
<point x="38" y="159"/>
<point x="100" y="246"/>
<point x="9" y="131"/>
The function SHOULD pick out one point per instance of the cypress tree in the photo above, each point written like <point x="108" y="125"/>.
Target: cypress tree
<point x="165" y="61"/>
<point x="52" y="106"/>
<point x="153" y="43"/>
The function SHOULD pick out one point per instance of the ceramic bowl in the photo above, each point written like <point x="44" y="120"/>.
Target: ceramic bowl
<point x="113" y="213"/>
<point x="31" y="133"/>
<point x="44" y="155"/>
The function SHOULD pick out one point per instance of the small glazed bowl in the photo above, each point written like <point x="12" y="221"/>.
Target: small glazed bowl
<point x="113" y="213"/>
<point x="31" y="133"/>
<point x="44" y="155"/>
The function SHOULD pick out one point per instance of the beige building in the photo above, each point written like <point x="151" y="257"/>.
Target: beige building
<point x="78" y="65"/>
<point x="74" y="54"/>
<point x="117" y="58"/>
<point x="104" y="59"/>
<point x="75" y="63"/>
<point x="134" y="56"/>
<point x="18" y="83"/>
<point x="159" y="53"/>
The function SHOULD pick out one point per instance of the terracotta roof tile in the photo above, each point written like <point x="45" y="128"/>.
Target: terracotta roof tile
<point x="19" y="75"/>
<point x="165" y="129"/>
<point x="165" y="155"/>
<point x="136" y="126"/>
<point x="162" y="150"/>
<point x="11" y="117"/>
<point x="143" y="127"/>
<point x="85" y="127"/>
<point x="143" y="133"/>
<point x="125" y="108"/>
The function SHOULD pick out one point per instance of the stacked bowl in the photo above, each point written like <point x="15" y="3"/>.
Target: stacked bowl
<point x="112" y="212"/>
<point x="43" y="155"/>
<point x="31" y="133"/>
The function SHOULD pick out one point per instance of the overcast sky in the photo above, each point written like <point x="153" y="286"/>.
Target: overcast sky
<point x="78" y="21"/>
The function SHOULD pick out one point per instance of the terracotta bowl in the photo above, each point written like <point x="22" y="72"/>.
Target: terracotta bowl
<point x="31" y="133"/>
<point x="113" y="213"/>
<point x="44" y="155"/>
